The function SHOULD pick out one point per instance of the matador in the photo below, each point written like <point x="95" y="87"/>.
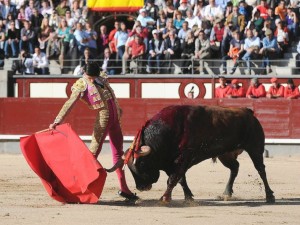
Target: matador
<point x="95" y="91"/>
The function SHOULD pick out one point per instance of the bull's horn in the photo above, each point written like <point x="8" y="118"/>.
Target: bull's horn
<point x="118" y="164"/>
<point x="145" y="150"/>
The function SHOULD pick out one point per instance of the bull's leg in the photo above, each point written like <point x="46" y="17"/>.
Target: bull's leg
<point x="188" y="195"/>
<point x="229" y="161"/>
<point x="172" y="182"/>
<point x="258" y="162"/>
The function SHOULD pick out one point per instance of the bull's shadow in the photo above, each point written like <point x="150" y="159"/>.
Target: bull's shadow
<point x="203" y="202"/>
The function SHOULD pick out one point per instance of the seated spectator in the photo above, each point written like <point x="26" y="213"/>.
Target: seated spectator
<point x="102" y="41"/>
<point x="199" y="9"/>
<point x="86" y="58"/>
<point x="40" y="62"/>
<point x="237" y="20"/>
<point x="291" y="91"/>
<point x="111" y="37"/>
<point x="183" y="8"/>
<point x="36" y="20"/>
<point x="10" y="18"/>
<point x="7" y="8"/>
<point x="46" y="9"/>
<point x="172" y="49"/>
<point x="202" y="50"/>
<point x="44" y="34"/>
<point x="183" y="31"/>
<point x="236" y="91"/>
<point x="216" y="37"/>
<point x="26" y="63"/>
<point x="282" y="37"/>
<point x="140" y="31"/>
<point x="212" y="12"/>
<point x="257" y="21"/>
<point x="281" y="10"/>
<point x="276" y="90"/>
<point x="222" y="90"/>
<point x="76" y="9"/>
<point x="169" y="28"/>
<point x="2" y="38"/>
<point x="62" y="8"/>
<point x="29" y="9"/>
<point x="188" y="51"/>
<point x="169" y="9"/>
<point x="146" y="21"/>
<point x="134" y="50"/>
<point x="235" y="53"/>
<point x="27" y="38"/>
<point x="268" y="51"/>
<point x="292" y="24"/>
<point x="251" y="46"/>
<point x="108" y="63"/>
<point x="228" y="8"/>
<point x="54" y="20"/>
<point x="161" y="22"/>
<point x="262" y="8"/>
<point x="256" y="89"/>
<point x="178" y="21"/>
<point x="152" y="9"/>
<point x="192" y="20"/>
<point x="71" y="21"/>
<point x="12" y="40"/>
<point x="81" y="38"/>
<point x="21" y="16"/>
<point x="121" y="37"/>
<point x="245" y="9"/>
<point x="156" y="47"/>
<point x="92" y="37"/>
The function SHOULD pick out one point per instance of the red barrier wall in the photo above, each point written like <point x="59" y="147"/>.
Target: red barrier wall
<point x="279" y="117"/>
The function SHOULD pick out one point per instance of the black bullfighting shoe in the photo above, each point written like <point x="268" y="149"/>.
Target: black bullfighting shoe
<point x="129" y="197"/>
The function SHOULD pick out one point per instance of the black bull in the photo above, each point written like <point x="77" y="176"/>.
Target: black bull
<point x="179" y="137"/>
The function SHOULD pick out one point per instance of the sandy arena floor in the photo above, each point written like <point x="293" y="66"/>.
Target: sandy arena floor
<point x="23" y="199"/>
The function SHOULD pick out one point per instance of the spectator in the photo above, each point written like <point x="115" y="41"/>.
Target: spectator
<point x="71" y="21"/>
<point x="8" y="8"/>
<point x="280" y="10"/>
<point x="26" y="63"/>
<point x="27" y="38"/>
<point x="236" y="91"/>
<point x="223" y="4"/>
<point x="161" y="22"/>
<point x="54" y="20"/>
<point x="92" y="38"/>
<point x="298" y="57"/>
<point x="183" y="31"/>
<point x="245" y="10"/>
<point x="183" y="8"/>
<point x="262" y="8"/>
<point x="291" y="91"/>
<point x="76" y="9"/>
<point x="235" y="53"/>
<point x="102" y="41"/>
<point x="29" y="10"/>
<point x="152" y="9"/>
<point x="251" y="46"/>
<point x="2" y="39"/>
<point x="121" y="37"/>
<point x="156" y="47"/>
<point x="199" y="9"/>
<point x="36" y="21"/>
<point x="86" y="58"/>
<point x="202" y="50"/>
<point x="212" y="12"/>
<point x="81" y="37"/>
<point x="64" y="36"/>
<point x="108" y="64"/>
<point x="46" y="9"/>
<point x="21" y="16"/>
<point x="268" y="51"/>
<point x="134" y="50"/>
<point x="10" y="18"/>
<point x="140" y="31"/>
<point x="256" y="89"/>
<point x="238" y="20"/>
<point x="216" y="37"/>
<point x="111" y="37"/>
<point x="276" y="90"/>
<point x="44" y="35"/>
<point x="222" y="90"/>
<point x="188" y="51"/>
<point x="292" y="23"/>
<point x="169" y="9"/>
<point x="40" y="62"/>
<point x="258" y="22"/>
<point x="178" y="21"/>
<point x="172" y="49"/>
<point x="271" y="19"/>
<point x="192" y="20"/>
<point x="282" y="37"/>
<point x="146" y="21"/>
<point x="228" y="9"/>
<point x="169" y="28"/>
<point x="62" y="8"/>
<point x="12" y="40"/>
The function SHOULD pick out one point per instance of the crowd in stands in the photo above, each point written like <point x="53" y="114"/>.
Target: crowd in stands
<point x="186" y="32"/>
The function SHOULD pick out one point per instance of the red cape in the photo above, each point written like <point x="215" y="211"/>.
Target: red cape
<point x="68" y="170"/>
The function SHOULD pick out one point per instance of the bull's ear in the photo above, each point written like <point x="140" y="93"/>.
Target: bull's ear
<point x="145" y="150"/>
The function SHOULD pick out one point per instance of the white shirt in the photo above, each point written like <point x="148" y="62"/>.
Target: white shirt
<point x="40" y="61"/>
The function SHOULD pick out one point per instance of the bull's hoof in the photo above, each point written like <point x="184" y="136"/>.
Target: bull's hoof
<point x="270" y="199"/>
<point x="189" y="199"/>
<point x="226" y="197"/>
<point x="165" y="200"/>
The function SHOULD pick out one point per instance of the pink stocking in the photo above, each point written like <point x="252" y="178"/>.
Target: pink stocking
<point x="122" y="181"/>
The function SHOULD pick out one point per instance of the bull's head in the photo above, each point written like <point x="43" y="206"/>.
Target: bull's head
<point x="141" y="165"/>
